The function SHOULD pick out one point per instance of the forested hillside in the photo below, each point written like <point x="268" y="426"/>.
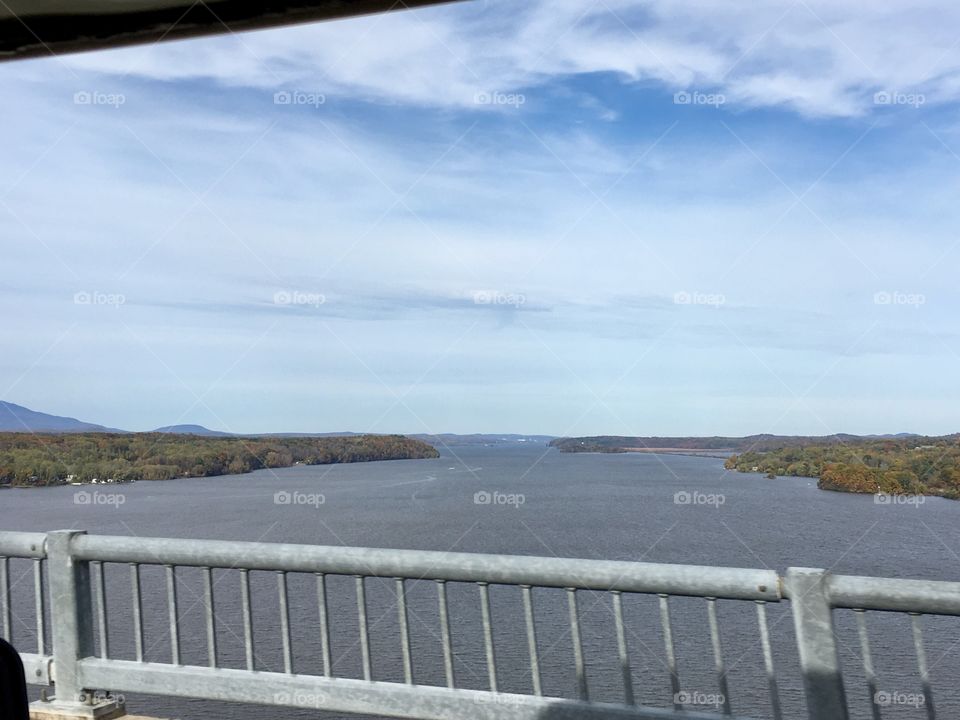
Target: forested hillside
<point x="31" y="460"/>
<point x="917" y="465"/>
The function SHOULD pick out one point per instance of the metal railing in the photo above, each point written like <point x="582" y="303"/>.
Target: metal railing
<point x="73" y="587"/>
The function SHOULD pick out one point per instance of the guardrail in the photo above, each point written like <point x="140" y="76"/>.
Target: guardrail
<point x="30" y="547"/>
<point x="70" y="568"/>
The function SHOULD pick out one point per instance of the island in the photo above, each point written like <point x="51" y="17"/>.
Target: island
<point x="33" y="460"/>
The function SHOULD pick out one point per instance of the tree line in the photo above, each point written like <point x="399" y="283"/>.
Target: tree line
<point x="37" y="460"/>
<point x="914" y="465"/>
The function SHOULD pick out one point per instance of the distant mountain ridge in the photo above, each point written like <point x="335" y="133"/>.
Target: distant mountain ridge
<point x="16" y="418"/>
<point x="191" y="430"/>
<point x="761" y="442"/>
<point x="443" y="439"/>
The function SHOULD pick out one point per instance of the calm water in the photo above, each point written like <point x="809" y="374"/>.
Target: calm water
<point x="619" y="507"/>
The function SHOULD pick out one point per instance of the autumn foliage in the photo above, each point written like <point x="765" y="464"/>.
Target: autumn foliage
<point x="30" y="460"/>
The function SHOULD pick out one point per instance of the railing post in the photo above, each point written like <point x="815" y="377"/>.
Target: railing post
<point x="819" y="661"/>
<point x="71" y="614"/>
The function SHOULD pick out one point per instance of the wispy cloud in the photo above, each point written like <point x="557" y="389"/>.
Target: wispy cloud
<point x="819" y="58"/>
<point x="497" y="204"/>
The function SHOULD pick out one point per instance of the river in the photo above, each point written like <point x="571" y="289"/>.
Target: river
<point x="657" y="508"/>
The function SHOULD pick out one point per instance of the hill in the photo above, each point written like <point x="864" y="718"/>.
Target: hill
<point x="191" y="430"/>
<point x="16" y="418"/>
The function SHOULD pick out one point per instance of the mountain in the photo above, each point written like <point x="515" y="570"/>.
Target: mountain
<point x="191" y="430"/>
<point x="16" y="418"/>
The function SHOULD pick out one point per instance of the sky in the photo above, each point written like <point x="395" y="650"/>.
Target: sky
<point x="568" y="218"/>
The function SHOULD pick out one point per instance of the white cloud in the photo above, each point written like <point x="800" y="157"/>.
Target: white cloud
<point x="312" y="207"/>
<point x="818" y="57"/>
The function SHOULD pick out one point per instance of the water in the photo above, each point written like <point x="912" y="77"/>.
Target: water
<point x="616" y="507"/>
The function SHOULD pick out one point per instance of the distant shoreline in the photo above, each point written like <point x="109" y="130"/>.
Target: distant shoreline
<point x="899" y="466"/>
<point x="723" y="454"/>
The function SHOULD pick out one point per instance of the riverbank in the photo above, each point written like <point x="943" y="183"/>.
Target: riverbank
<point x="28" y="460"/>
<point x="884" y="467"/>
<point x="890" y="465"/>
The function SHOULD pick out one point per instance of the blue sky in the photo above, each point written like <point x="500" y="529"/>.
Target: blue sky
<point x="563" y="218"/>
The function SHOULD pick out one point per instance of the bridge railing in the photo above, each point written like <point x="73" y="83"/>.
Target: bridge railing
<point x="30" y="549"/>
<point x="83" y="658"/>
